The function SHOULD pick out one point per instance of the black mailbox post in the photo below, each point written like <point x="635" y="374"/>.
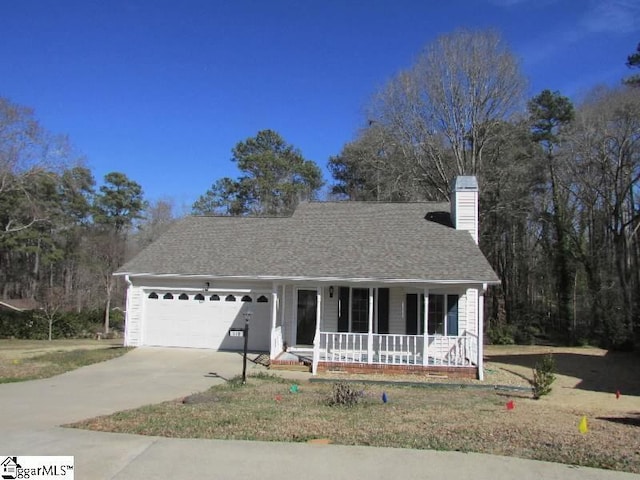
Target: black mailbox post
<point x="247" y="318"/>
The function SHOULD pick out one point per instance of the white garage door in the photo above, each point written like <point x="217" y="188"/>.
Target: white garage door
<point x="202" y="320"/>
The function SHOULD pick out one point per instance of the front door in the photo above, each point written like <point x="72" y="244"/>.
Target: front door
<point x="307" y="310"/>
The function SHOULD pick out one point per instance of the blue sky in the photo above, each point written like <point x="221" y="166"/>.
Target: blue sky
<point x="162" y="90"/>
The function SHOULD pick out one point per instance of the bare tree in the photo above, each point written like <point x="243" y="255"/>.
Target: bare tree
<point x="436" y="118"/>
<point x="467" y="83"/>
<point x="51" y="303"/>
<point x="27" y="154"/>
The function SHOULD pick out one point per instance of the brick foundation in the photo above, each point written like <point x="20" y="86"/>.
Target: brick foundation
<point x="365" y="368"/>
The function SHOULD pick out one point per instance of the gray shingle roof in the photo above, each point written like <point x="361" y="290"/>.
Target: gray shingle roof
<point x="351" y="240"/>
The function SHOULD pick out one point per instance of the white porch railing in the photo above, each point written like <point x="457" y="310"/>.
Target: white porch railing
<point x="398" y="349"/>
<point x="391" y="349"/>
<point x="451" y="351"/>
<point x="343" y="347"/>
<point x="472" y="352"/>
<point x="276" y="342"/>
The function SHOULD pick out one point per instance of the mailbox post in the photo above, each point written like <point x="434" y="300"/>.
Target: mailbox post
<point x="247" y="318"/>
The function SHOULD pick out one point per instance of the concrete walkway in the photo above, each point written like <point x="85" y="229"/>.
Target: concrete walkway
<point x="30" y="413"/>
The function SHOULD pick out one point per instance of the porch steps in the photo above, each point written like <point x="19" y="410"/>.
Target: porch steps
<point x="297" y="362"/>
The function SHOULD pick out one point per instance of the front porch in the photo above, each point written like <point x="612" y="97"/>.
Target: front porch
<point x="396" y="353"/>
<point x="447" y="342"/>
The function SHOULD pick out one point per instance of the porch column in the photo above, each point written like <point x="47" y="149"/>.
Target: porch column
<point x="276" y="343"/>
<point x="425" y="340"/>
<point x="316" y="338"/>
<point x="481" y="331"/>
<point x="274" y="306"/>
<point x="370" y="329"/>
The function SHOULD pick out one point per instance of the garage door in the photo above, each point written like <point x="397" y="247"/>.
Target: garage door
<point x="202" y="320"/>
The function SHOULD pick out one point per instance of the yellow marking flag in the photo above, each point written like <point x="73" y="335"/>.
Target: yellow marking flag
<point x="583" y="425"/>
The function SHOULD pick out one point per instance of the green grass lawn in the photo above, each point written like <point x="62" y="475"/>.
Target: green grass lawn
<point x="414" y="417"/>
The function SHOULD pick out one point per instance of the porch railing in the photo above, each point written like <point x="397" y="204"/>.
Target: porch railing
<point x="473" y="348"/>
<point x="391" y="349"/>
<point x="343" y="347"/>
<point x="398" y="349"/>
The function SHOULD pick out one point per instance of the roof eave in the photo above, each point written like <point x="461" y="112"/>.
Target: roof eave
<point x="319" y="279"/>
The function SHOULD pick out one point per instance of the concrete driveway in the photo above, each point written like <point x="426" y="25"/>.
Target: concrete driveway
<point x="142" y="376"/>
<point x="30" y="413"/>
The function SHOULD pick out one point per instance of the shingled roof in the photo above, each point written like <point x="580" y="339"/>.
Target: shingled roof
<point x="332" y="240"/>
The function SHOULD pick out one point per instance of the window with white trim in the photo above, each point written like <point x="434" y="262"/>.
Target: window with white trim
<point x="443" y="314"/>
<point x="353" y="310"/>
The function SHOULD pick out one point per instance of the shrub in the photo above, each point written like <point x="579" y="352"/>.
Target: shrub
<point x="500" y="335"/>
<point x="32" y="325"/>
<point x="345" y="395"/>
<point x="543" y="376"/>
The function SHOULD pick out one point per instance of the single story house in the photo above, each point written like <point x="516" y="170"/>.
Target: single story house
<point x="355" y="286"/>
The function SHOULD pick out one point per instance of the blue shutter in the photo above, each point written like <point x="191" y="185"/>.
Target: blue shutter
<point x="452" y="314"/>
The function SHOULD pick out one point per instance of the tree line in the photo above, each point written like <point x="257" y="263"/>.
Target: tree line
<point x="60" y="237"/>
<point x="559" y="205"/>
<point x="559" y="183"/>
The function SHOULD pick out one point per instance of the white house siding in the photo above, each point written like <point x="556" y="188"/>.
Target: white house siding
<point x="463" y="321"/>
<point x="290" y="304"/>
<point x="330" y="311"/>
<point x="472" y="310"/>
<point x="397" y="324"/>
<point x="134" y="317"/>
<point x="465" y="212"/>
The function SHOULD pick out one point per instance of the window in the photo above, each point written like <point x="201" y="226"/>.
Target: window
<point x="247" y="298"/>
<point x="214" y="298"/>
<point x="353" y="310"/>
<point x="443" y="321"/>
<point x="452" y="314"/>
<point x="436" y="315"/>
<point x="183" y="296"/>
<point x="262" y="299"/>
<point x="153" y="296"/>
<point x="230" y="298"/>
<point x="168" y="296"/>
<point x="360" y="310"/>
<point x="199" y="297"/>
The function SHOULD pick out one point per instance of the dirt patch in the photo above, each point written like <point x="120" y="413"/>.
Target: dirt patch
<point x="588" y="379"/>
